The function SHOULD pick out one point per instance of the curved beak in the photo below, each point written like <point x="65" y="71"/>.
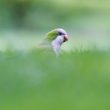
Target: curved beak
<point x="65" y="38"/>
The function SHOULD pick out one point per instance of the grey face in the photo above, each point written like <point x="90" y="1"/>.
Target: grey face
<point x="63" y="33"/>
<point x="60" y="39"/>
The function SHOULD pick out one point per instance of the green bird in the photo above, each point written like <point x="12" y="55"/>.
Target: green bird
<point x="53" y="40"/>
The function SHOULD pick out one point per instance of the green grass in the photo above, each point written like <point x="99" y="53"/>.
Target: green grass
<point x="73" y="81"/>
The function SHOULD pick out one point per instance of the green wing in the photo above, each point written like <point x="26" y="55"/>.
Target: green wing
<point x="51" y="35"/>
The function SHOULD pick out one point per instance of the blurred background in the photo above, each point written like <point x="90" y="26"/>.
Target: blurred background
<point x="79" y="79"/>
<point x="24" y="22"/>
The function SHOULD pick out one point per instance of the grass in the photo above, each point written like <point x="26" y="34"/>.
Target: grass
<point x="36" y="81"/>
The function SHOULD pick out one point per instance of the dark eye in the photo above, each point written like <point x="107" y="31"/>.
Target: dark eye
<point x="60" y="33"/>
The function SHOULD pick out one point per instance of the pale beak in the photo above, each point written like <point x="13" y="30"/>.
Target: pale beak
<point x="65" y="38"/>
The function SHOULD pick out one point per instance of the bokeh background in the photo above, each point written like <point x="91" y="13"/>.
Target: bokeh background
<point x="87" y="22"/>
<point x="79" y="79"/>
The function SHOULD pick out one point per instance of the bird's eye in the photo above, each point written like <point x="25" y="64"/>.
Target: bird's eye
<point x="60" y="33"/>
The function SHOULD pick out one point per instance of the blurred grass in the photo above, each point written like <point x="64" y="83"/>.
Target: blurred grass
<point x="38" y="81"/>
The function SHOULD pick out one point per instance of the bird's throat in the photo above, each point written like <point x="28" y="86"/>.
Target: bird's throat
<point x="56" y="44"/>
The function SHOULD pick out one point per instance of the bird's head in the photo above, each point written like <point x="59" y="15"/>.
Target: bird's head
<point x="57" y="37"/>
<point x="54" y="34"/>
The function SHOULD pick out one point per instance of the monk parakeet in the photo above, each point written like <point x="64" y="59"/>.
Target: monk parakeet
<point x="53" y="40"/>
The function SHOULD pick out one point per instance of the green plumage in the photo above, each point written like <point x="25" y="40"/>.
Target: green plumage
<point x="50" y="36"/>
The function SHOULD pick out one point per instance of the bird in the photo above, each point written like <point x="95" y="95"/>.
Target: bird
<point x="54" y="40"/>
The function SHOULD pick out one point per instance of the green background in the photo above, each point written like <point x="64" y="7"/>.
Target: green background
<point x="79" y="79"/>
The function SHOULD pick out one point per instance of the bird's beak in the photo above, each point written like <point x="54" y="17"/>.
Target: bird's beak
<point x="65" y="38"/>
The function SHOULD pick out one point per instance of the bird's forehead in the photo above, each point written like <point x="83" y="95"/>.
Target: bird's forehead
<point x="61" y="30"/>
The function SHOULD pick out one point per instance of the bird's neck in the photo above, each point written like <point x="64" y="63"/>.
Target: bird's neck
<point x="56" y="44"/>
